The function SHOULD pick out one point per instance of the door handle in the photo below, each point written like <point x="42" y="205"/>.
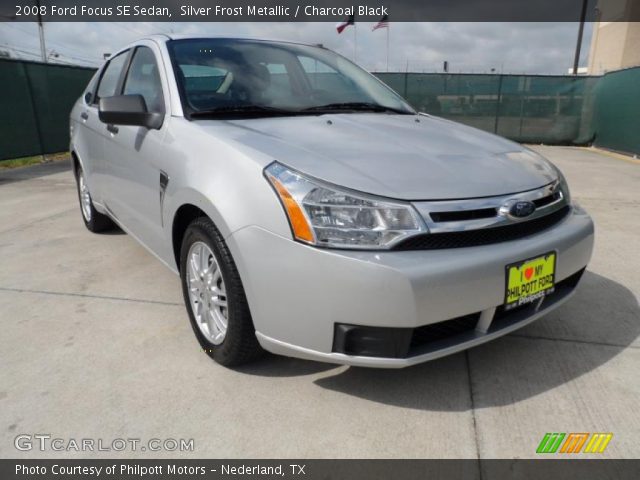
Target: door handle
<point x="84" y="116"/>
<point x="112" y="128"/>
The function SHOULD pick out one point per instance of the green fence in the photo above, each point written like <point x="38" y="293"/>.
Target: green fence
<point x="36" y="101"/>
<point x="617" y="111"/>
<point x="539" y="109"/>
<point x="564" y="110"/>
<point x="561" y="110"/>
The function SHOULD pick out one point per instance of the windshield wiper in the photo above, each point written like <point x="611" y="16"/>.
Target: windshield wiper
<point x="263" y="110"/>
<point x="242" y="110"/>
<point x="355" y="106"/>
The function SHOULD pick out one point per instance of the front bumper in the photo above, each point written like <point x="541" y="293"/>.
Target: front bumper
<point x="298" y="294"/>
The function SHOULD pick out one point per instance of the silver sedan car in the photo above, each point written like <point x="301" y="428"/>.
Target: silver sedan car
<point x="311" y="212"/>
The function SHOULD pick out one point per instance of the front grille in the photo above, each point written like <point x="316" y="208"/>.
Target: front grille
<point x="544" y="201"/>
<point x="442" y="330"/>
<point x="483" y="236"/>
<point x="394" y="342"/>
<point x="461" y="215"/>
<point x="480" y="213"/>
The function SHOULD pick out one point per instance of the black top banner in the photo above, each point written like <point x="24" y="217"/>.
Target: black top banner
<point x="319" y="10"/>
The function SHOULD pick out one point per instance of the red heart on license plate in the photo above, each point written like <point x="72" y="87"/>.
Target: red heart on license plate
<point x="528" y="272"/>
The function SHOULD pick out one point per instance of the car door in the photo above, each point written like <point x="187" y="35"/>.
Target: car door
<point x="90" y="145"/>
<point x="134" y="154"/>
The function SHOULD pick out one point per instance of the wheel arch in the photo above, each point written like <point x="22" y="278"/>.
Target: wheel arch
<point x="184" y="215"/>
<point x="190" y="207"/>
<point x="75" y="162"/>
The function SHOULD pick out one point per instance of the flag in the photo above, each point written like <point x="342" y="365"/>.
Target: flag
<point x="383" y="23"/>
<point x="349" y="21"/>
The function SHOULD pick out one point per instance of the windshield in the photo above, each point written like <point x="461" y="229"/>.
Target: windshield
<point x="232" y="75"/>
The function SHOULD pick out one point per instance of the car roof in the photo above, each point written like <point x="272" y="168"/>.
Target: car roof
<point x="164" y="37"/>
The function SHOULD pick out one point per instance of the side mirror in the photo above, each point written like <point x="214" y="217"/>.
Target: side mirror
<point x="128" y="110"/>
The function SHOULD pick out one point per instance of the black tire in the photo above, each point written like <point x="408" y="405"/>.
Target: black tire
<point x="96" y="221"/>
<point x="239" y="345"/>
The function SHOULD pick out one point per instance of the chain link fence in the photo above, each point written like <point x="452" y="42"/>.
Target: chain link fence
<point x="617" y="105"/>
<point x="525" y="108"/>
<point x="36" y="101"/>
<point x="559" y="110"/>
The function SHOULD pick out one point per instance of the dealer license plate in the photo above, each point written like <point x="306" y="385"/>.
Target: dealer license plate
<point x="530" y="280"/>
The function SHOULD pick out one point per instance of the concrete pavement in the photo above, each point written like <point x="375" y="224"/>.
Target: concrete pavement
<point x="96" y="343"/>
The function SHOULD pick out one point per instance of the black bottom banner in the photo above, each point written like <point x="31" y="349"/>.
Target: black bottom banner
<point x="321" y="469"/>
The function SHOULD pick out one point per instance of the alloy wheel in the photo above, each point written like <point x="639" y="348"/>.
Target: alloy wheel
<point x="207" y="293"/>
<point x="85" y="197"/>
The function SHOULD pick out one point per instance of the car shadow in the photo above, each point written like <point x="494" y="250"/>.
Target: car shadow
<point x="603" y="317"/>
<point x="116" y="230"/>
<point x="277" y="366"/>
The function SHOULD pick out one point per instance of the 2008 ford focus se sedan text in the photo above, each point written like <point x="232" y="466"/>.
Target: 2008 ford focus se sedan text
<point x="311" y="212"/>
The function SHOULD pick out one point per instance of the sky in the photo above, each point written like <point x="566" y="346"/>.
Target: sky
<point x="533" y="48"/>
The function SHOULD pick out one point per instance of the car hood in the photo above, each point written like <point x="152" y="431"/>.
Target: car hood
<point x="397" y="156"/>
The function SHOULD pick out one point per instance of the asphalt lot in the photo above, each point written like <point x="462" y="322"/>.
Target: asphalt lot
<point x="96" y="343"/>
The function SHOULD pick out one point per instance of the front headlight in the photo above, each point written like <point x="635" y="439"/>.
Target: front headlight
<point x="327" y="216"/>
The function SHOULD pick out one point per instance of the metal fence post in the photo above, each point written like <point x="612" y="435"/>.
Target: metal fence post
<point x="34" y="110"/>
<point x="495" y="127"/>
<point x="406" y="83"/>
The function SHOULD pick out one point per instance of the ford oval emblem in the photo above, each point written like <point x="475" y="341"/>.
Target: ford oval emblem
<point x="522" y="209"/>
